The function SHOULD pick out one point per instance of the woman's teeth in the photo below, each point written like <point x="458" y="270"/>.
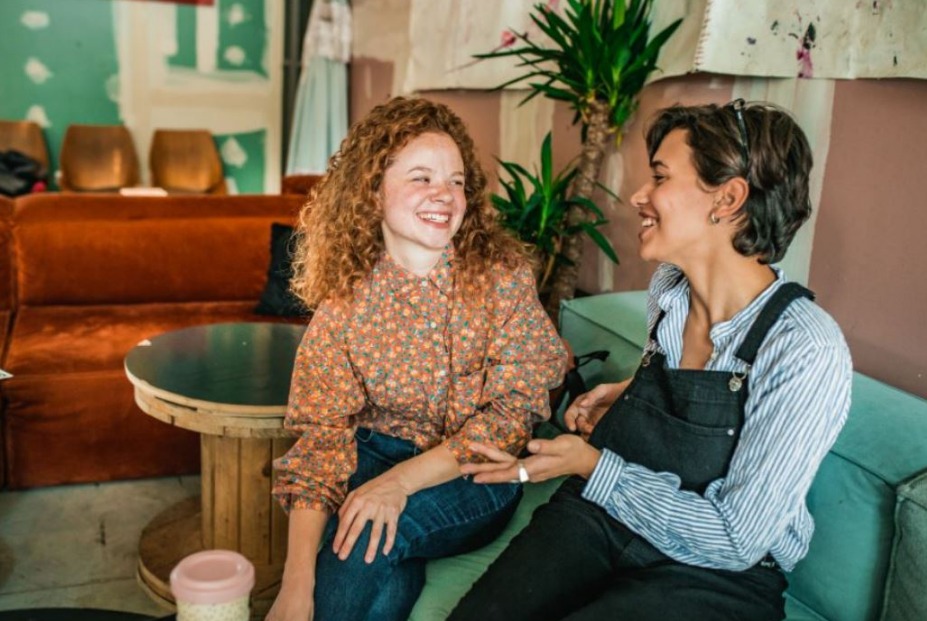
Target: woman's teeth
<point x="435" y="217"/>
<point x="648" y="222"/>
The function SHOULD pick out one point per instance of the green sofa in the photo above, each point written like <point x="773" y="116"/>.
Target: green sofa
<point x="868" y="558"/>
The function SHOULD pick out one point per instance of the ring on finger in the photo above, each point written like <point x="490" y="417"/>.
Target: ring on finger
<point x="522" y="472"/>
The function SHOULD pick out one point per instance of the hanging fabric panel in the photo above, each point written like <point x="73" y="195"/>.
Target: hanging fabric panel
<point x="320" y="114"/>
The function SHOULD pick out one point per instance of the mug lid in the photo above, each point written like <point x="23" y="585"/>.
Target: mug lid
<point x="212" y="577"/>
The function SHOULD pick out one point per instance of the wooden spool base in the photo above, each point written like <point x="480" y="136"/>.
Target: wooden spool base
<point x="176" y="533"/>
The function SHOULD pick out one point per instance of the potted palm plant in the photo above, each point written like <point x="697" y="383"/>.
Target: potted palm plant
<point x="597" y="60"/>
<point x="534" y="208"/>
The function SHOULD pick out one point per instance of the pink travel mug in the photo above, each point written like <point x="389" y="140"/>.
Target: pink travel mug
<point x="213" y="585"/>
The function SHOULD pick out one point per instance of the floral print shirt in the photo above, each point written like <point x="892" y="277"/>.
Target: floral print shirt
<point x="420" y="359"/>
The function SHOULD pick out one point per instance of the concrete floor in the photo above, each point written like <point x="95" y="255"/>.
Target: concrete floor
<point x="76" y="545"/>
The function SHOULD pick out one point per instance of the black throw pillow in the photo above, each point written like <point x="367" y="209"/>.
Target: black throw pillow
<point x="277" y="299"/>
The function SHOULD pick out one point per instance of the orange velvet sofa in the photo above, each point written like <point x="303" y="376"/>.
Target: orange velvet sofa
<point x="85" y="278"/>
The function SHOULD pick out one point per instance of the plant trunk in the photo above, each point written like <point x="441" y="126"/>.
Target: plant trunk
<point x="563" y="284"/>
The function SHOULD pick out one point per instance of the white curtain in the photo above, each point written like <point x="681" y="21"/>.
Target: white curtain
<point x="320" y="115"/>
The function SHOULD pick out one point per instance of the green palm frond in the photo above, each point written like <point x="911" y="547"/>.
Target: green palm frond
<point x="598" y="50"/>
<point x="534" y="207"/>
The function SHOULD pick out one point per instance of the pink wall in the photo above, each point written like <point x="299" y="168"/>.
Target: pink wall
<point x="868" y="260"/>
<point x="869" y="256"/>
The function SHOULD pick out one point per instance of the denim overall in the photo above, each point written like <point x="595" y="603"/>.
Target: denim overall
<point x="687" y="422"/>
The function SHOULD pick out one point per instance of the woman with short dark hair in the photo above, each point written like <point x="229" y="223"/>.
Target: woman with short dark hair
<point x="687" y="499"/>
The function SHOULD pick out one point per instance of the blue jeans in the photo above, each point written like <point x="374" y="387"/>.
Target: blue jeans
<point x="444" y="520"/>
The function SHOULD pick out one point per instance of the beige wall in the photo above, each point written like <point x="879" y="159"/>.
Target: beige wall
<point x="868" y="258"/>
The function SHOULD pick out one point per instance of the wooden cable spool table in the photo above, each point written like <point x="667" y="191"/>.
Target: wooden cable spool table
<point x="229" y="382"/>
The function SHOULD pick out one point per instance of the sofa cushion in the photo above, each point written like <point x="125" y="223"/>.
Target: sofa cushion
<point x="6" y="294"/>
<point x="616" y="322"/>
<point x="85" y="427"/>
<point x="905" y="596"/>
<point x="50" y="340"/>
<point x="796" y="611"/>
<point x="71" y="413"/>
<point x="6" y="318"/>
<point x="143" y="249"/>
<point x="853" y="502"/>
<point x="448" y="579"/>
<point x="6" y="266"/>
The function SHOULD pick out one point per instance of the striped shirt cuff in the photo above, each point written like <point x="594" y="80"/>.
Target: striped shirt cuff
<point x="604" y="478"/>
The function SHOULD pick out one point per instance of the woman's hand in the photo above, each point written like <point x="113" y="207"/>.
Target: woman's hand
<point x="565" y="454"/>
<point x="584" y="413"/>
<point x="293" y="603"/>
<point x="381" y="501"/>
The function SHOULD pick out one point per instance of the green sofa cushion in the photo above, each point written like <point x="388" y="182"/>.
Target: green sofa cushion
<point x="448" y="579"/>
<point x="616" y="322"/>
<point x="853" y="502"/>
<point x="905" y="595"/>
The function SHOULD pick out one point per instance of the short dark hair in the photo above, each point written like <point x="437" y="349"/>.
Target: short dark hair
<point x="767" y="148"/>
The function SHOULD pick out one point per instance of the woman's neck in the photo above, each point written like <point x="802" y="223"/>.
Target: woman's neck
<point x="719" y="290"/>
<point x="419" y="263"/>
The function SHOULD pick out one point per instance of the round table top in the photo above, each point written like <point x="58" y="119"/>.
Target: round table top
<point x="225" y="367"/>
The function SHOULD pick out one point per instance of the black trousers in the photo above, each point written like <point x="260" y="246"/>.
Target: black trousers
<point x="575" y="562"/>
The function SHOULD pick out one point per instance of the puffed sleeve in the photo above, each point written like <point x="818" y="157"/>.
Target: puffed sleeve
<point x="324" y="397"/>
<point x="525" y="358"/>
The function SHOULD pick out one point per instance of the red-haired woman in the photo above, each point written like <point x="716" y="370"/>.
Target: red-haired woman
<point x="428" y="336"/>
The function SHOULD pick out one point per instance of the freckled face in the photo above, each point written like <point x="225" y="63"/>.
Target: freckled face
<point x="673" y="206"/>
<point x="422" y="197"/>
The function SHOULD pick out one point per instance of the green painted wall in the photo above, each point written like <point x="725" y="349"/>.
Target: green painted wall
<point x="59" y="65"/>
<point x="243" y="159"/>
<point x="77" y="50"/>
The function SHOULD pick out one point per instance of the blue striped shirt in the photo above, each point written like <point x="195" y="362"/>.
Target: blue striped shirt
<point x="798" y="401"/>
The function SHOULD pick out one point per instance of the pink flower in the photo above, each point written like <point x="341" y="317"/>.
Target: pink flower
<point x="508" y="38"/>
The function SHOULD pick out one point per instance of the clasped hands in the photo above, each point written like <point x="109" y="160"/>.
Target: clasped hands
<point x="382" y="499"/>
<point x="564" y="455"/>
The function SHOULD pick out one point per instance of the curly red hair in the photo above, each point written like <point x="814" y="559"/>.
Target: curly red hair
<point x="339" y="234"/>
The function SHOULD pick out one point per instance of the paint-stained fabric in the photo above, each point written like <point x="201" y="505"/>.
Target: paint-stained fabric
<point x="423" y="359"/>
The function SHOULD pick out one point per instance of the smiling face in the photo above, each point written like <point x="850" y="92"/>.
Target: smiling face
<point x="423" y="201"/>
<point x="674" y="206"/>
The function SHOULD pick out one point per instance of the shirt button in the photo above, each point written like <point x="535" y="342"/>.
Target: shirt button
<point x="730" y="432"/>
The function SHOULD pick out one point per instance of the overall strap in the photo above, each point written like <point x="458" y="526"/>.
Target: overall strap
<point x="769" y="314"/>
<point x="656" y="324"/>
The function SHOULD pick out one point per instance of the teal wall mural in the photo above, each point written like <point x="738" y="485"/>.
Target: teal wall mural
<point x="242" y="36"/>
<point x="243" y="159"/>
<point x="59" y="65"/>
<point x="149" y="65"/>
<point x="186" y="38"/>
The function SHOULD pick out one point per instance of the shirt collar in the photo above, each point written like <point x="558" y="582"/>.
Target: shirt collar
<point x="404" y="281"/>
